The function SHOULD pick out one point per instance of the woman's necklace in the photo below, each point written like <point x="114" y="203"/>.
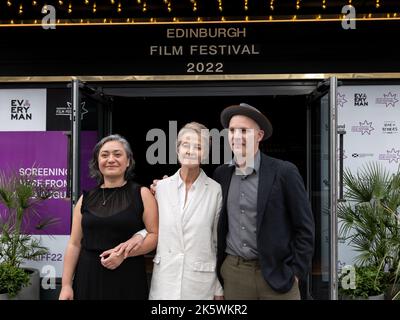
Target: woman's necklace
<point x="108" y="198"/>
<point x="110" y="195"/>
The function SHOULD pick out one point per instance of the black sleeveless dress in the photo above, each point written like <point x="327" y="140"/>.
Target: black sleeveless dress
<point x="104" y="227"/>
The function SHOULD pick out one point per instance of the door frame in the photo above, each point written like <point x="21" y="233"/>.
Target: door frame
<point x="325" y="89"/>
<point x="261" y="88"/>
<point x="334" y="186"/>
<point x="78" y="89"/>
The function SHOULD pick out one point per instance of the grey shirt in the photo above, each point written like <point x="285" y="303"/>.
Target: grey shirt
<point x="242" y="212"/>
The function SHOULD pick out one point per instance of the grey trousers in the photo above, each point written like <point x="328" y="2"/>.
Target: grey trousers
<point x="243" y="280"/>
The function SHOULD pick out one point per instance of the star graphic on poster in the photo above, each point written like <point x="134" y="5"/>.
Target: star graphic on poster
<point x="366" y="127"/>
<point x="83" y="109"/>
<point x="390" y="99"/>
<point x="341" y="100"/>
<point x="394" y="155"/>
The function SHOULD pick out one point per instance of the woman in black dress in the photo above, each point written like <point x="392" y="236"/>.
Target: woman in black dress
<point x="104" y="257"/>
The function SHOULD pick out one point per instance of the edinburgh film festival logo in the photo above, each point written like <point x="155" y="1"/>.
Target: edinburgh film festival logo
<point x="364" y="127"/>
<point x="67" y="110"/>
<point x="360" y="99"/>
<point x="20" y="109"/>
<point x="341" y="99"/>
<point x="390" y="127"/>
<point x="388" y="99"/>
<point x="392" y="155"/>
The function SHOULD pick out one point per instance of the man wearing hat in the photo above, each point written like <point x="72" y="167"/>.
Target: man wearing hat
<point x="266" y="227"/>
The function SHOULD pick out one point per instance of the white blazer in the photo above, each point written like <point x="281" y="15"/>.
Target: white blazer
<point x="185" y="262"/>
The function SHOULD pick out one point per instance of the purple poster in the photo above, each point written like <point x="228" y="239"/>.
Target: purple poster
<point x="88" y="141"/>
<point x="44" y="155"/>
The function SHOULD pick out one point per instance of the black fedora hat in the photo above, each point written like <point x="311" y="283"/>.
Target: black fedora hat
<point x="244" y="109"/>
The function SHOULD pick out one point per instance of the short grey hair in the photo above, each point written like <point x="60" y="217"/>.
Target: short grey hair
<point x="94" y="162"/>
<point x="198" y="128"/>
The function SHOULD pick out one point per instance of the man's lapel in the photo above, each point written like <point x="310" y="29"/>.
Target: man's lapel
<point x="265" y="181"/>
<point x="225" y="183"/>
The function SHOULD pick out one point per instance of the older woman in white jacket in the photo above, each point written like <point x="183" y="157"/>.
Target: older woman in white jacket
<point x="189" y="203"/>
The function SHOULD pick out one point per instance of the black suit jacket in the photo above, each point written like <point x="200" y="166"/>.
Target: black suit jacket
<point x="285" y="224"/>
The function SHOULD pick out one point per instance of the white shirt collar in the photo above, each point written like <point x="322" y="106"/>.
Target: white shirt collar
<point x="181" y="183"/>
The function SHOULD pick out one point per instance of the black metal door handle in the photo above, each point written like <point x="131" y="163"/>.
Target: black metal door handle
<point x="341" y="132"/>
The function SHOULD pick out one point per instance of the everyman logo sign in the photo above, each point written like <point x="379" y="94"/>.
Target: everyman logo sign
<point x="23" y="110"/>
<point x="360" y="99"/>
<point x="20" y="110"/>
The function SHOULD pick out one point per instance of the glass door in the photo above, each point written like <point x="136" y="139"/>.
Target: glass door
<point x="322" y="186"/>
<point x="91" y="120"/>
